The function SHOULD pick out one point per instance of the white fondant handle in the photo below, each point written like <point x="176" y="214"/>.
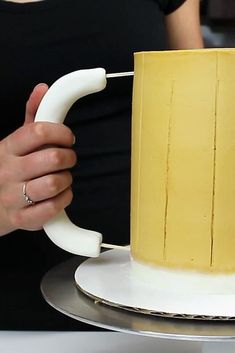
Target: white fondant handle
<point x="53" y="108"/>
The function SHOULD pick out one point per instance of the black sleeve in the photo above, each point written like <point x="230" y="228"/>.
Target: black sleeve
<point x="168" y="6"/>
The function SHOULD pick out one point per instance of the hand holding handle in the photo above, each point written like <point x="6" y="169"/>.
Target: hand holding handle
<point x="53" y="108"/>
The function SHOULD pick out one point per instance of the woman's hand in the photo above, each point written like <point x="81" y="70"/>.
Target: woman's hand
<point x="35" y="159"/>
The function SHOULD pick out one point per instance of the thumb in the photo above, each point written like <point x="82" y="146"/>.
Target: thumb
<point x="34" y="101"/>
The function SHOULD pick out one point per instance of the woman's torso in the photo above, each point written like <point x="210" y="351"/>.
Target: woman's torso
<point x="39" y="42"/>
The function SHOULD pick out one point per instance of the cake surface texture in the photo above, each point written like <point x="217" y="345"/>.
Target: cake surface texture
<point x="183" y="160"/>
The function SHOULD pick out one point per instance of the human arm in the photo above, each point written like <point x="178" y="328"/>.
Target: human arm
<point x="25" y="156"/>
<point x="183" y="26"/>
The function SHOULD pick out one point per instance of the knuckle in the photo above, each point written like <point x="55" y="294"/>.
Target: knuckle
<point x="61" y="158"/>
<point x="40" y="130"/>
<point x="52" y="184"/>
<point x="66" y="132"/>
<point x="57" y="158"/>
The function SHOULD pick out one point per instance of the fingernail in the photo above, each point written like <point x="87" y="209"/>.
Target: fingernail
<point x="42" y="84"/>
<point x="74" y="140"/>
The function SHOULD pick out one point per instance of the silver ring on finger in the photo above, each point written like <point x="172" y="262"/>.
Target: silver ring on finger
<point x="26" y="197"/>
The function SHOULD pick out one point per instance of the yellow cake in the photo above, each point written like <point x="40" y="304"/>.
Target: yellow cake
<point x="183" y="160"/>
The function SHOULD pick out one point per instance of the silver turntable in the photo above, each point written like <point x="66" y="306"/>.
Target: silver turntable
<point x="60" y="291"/>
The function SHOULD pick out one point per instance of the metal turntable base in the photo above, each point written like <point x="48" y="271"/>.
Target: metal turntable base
<point x="60" y="291"/>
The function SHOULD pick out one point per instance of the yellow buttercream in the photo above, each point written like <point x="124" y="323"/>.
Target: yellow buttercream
<point x="183" y="159"/>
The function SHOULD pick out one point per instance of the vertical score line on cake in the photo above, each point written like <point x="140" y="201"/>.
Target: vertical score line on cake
<point x="139" y="154"/>
<point x="168" y="168"/>
<point x="214" y="162"/>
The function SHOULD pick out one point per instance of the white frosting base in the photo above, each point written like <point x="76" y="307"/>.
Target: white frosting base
<point x="112" y="279"/>
<point x="183" y="281"/>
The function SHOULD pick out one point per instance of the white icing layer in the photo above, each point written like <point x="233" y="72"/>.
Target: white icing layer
<point x="183" y="281"/>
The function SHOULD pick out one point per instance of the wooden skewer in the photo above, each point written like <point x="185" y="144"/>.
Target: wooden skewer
<point x="112" y="246"/>
<point x="120" y="74"/>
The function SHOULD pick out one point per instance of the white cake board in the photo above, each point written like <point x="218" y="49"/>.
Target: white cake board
<point x="110" y="279"/>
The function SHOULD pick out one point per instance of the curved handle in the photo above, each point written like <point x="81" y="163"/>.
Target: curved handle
<point x="53" y="108"/>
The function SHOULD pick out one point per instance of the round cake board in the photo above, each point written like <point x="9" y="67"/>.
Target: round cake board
<point x="110" y="279"/>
